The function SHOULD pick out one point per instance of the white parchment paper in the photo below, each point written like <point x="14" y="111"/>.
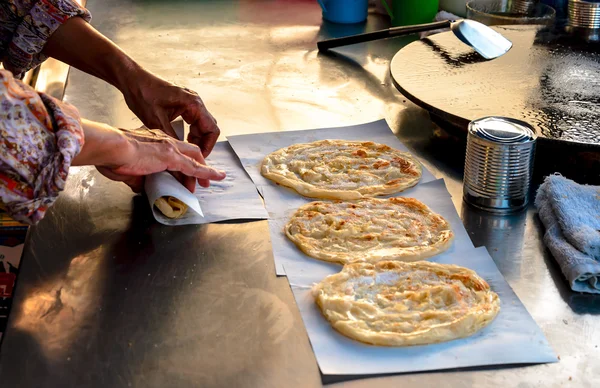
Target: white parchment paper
<point x="252" y="149"/>
<point x="234" y="198"/>
<point x="282" y="203"/>
<point x="512" y="338"/>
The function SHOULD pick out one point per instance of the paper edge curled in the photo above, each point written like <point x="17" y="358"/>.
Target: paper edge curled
<point x="163" y="184"/>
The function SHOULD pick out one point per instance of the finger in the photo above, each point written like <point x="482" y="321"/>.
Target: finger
<point x="166" y="126"/>
<point x="204" y="131"/>
<point x="188" y="182"/>
<point x="204" y="183"/>
<point x="193" y="151"/>
<point x="210" y="135"/>
<point x="179" y="162"/>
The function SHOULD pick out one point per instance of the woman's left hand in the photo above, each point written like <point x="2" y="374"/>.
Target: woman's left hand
<point x="157" y="102"/>
<point x="128" y="156"/>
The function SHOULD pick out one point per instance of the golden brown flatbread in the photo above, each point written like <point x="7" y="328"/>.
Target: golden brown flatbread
<point x="393" y="303"/>
<point x="369" y="230"/>
<point x="340" y="169"/>
<point x="171" y="207"/>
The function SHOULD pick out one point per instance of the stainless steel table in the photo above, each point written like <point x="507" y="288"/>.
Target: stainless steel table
<point x="109" y="298"/>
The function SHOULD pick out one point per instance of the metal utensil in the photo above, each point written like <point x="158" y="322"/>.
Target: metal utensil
<point x="487" y="42"/>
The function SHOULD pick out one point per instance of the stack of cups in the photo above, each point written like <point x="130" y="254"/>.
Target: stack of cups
<point x="499" y="164"/>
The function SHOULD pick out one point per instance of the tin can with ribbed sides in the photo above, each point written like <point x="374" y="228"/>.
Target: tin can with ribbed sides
<point x="499" y="164"/>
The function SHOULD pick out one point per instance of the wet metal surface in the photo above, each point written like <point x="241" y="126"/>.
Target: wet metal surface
<point x="107" y="297"/>
<point x="548" y="80"/>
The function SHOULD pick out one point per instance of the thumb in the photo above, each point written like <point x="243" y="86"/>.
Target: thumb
<point x="166" y="126"/>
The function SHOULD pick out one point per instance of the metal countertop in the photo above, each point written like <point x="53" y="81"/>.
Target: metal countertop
<point x="106" y="297"/>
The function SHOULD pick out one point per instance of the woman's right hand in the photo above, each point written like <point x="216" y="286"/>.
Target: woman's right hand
<point x="128" y="156"/>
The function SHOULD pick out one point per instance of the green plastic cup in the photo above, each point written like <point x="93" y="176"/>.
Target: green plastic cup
<point x="409" y="12"/>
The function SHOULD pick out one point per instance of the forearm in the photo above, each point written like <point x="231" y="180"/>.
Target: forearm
<point x="102" y="142"/>
<point x="40" y="138"/>
<point x="80" y="45"/>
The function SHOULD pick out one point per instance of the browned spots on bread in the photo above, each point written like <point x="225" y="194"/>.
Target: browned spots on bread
<point x="361" y="153"/>
<point x="387" y="265"/>
<point x="380" y="164"/>
<point x="437" y="221"/>
<point x="406" y="167"/>
<point x="412" y="204"/>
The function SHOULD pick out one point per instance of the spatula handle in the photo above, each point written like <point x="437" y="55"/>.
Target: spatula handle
<point x="325" y="45"/>
<point x="407" y="30"/>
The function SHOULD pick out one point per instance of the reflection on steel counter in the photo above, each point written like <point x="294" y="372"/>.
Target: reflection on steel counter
<point x="231" y="323"/>
<point x="502" y="234"/>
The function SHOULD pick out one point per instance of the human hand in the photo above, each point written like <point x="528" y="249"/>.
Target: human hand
<point x="157" y="102"/>
<point x="128" y="156"/>
<point x="154" y="101"/>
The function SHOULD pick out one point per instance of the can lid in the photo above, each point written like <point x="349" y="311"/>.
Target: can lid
<point x="502" y="130"/>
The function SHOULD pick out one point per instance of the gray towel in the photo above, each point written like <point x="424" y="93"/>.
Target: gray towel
<point x="570" y="212"/>
<point x="577" y="208"/>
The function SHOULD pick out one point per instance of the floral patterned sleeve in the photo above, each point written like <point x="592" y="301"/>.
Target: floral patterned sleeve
<point x="26" y="25"/>
<point x="40" y="138"/>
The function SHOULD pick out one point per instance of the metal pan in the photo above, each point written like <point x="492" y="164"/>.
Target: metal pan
<point x="548" y="79"/>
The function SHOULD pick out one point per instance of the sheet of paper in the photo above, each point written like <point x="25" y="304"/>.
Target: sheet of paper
<point x="281" y="203"/>
<point x="234" y="198"/>
<point x="252" y="149"/>
<point x="512" y="338"/>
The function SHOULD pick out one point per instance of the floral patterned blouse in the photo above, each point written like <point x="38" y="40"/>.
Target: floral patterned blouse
<point x="40" y="135"/>
<point x="26" y="25"/>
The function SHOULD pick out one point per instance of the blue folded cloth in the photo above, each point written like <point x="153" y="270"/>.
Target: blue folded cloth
<point x="571" y="214"/>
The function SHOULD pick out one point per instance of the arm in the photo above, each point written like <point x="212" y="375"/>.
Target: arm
<point x="128" y="156"/>
<point x="78" y="44"/>
<point x="155" y="101"/>
<point x="27" y="25"/>
<point x="40" y="138"/>
<point x="43" y="137"/>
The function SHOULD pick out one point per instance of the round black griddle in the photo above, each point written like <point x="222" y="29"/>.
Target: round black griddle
<point x="547" y="79"/>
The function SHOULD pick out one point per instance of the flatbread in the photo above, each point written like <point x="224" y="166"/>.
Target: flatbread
<point x="340" y="169"/>
<point x="392" y="303"/>
<point x="171" y="207"/>
<point x="369" y="230"/>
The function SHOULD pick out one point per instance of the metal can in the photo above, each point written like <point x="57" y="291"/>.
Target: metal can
<point x="499" y="164"/>
<point x="584" y="19"/>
